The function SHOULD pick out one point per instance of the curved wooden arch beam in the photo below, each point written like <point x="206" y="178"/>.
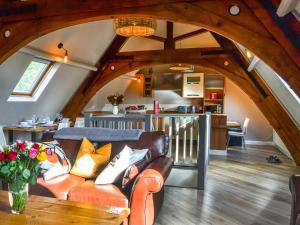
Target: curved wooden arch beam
<point x="272" y="110"/>
<point x="49" y="15"/>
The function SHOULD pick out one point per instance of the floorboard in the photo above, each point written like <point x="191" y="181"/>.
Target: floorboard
<point x="241" y="189"/>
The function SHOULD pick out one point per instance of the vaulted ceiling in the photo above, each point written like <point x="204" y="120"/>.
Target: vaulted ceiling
<point x="255" y="27"/>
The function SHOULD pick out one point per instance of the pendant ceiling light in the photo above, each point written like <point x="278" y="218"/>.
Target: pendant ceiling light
<point x="139" y="27"/>
<point x="180" y="67"/>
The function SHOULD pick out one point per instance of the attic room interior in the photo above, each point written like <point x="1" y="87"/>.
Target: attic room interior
<point x="162" y="112"/>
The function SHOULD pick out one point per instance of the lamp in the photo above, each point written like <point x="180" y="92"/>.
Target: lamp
<point x="130" y="77"/>
<point x="130" y="26"/>
<point x="248" y="53"/>
<point x="180" y="67"/>
<point x="61" y="46"/>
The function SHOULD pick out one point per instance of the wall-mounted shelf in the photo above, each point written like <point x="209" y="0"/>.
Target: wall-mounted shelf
<point x="148" y="85"/>
<point x="214" y="100"/>
<point x="214" y="93"/>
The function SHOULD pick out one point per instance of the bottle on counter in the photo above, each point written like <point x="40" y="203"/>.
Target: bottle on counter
<point x="193" y="109"/>
<point x="156" y="107"/>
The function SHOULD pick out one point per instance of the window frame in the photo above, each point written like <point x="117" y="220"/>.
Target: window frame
<point x="39" y="80"/>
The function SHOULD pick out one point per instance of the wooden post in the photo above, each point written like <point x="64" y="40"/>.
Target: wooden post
<point x="87" y="119"/>
<point x="169" y="42"/>
<point x="203" y="156"/>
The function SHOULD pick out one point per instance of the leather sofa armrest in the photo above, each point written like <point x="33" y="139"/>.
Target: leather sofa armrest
<point x="294" y="185"/>
<point x="149" y="181"/>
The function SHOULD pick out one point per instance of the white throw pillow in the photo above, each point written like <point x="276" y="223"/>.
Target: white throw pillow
<point x="55" y="171"/>
<point x="114" y="170"/>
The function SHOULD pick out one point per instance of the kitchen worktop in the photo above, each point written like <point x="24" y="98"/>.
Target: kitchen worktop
<point x="108" y="113"/>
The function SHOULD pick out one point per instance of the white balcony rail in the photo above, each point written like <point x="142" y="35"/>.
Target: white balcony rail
<point x="183" y="130"/>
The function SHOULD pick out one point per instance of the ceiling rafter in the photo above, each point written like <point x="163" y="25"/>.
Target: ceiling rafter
<point x="114" y="47"/>
<point x="156" y="38"/>
<point x="226" y="44"/>
<point x="190" y="34"/>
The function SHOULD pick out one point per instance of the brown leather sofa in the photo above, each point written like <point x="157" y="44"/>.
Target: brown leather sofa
<point x="143" y="195"/>
<point x="294" y="185"/>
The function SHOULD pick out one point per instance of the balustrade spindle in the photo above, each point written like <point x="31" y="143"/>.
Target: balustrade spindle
<point x="184" y="139"/>
<point x="156" y="122"/>
<point x="177" y="139"/>
<point x="170" y="135"/>
<point x="163" y="123"/>
<point x="191" y="139"/>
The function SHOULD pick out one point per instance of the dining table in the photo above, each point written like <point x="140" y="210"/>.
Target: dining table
<point x="49" y="211"/>
<point x="39" y="128"/>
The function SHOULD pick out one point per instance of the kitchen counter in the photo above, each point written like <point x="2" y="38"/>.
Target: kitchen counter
<point x="108" y="113"/>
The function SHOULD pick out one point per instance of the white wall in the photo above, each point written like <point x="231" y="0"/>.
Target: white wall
<point x="52" y="100"/>
<point x="280" y="145"/>
<point x="237" y="104"/>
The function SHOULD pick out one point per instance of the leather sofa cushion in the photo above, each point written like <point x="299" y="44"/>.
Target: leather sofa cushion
<point x="61" y="185"/>
<point x="107" y="194"/>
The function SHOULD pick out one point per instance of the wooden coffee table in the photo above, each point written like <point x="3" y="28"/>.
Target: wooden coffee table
<point x="50" y="211"/>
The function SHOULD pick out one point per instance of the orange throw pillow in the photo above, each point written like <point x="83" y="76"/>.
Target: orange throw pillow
<point x="89" y="162"/>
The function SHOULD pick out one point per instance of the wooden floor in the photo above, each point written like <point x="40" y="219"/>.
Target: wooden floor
<point x="242" y="188"/>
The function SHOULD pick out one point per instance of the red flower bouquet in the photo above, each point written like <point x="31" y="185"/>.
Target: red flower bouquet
<point x="20" y="165"/>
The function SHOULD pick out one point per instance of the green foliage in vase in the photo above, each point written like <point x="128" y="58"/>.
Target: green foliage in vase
<point x="20" y="163"/>
<point x="116" y="99"/>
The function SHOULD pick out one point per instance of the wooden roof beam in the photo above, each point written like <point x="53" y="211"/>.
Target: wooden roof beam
<point x="114" y="47"/>
<point x="185" y="52"/>
<point x="156" y="38"/>
<point x="226" y="44"/>
<point x="169" y="43"/>
<point x="190" y="34"/>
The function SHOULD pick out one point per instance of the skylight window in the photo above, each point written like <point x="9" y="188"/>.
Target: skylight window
<point x="289" y="89"/>
<point x="32" y="77"/>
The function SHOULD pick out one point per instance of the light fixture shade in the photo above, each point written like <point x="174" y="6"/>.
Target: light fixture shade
<point x="180" y="67"/>
<point x="140" y="27"/>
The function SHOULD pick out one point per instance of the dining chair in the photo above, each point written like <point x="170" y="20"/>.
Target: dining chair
<point x="240" y="134"/>
<point x="2" y="137"/>
<point x="79" y="122"/>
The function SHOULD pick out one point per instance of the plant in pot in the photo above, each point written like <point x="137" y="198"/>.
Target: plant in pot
<point x="20" y="165"/>
<point x="116" y="100"/>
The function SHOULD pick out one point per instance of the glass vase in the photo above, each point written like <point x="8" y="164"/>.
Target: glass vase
<point x="17" y="197"/>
